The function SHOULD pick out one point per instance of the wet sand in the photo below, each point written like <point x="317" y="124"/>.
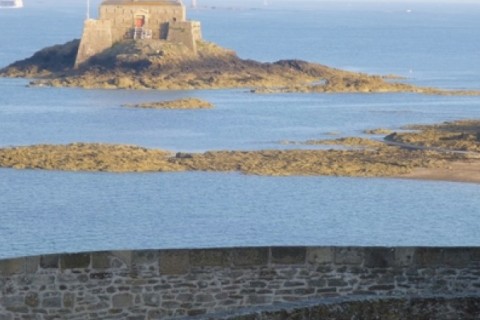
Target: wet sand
<point x="464" y="171"/>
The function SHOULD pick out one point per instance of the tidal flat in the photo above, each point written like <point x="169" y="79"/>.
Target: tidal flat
<point x="447" y="152"/>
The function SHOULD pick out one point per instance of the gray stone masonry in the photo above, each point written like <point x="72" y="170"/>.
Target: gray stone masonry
<point x="162" y="284"/>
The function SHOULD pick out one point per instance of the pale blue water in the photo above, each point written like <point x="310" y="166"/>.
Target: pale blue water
<point x="43" y="212"/>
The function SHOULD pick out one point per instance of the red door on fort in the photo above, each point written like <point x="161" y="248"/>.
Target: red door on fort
<point x="139" y="21"/>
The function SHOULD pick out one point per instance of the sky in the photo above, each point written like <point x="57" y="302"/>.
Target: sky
<point x="281" y="4"/>
<point x="270" y="2"/>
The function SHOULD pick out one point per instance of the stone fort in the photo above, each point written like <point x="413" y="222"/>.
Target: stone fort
<point x="149" y="20"/>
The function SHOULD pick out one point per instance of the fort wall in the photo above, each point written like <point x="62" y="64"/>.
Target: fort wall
<point x="97" y="37"/>
<point x="186" y="32"/>
<point x="163" y="284"/>
<point x="157" y="18"/>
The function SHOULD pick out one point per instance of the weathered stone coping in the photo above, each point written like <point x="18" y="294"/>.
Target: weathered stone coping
<point x="185" y="259"/>
<point x="159" y="284"/>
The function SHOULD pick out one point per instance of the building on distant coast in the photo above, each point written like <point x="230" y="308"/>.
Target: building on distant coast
<point x="152" y="20"/>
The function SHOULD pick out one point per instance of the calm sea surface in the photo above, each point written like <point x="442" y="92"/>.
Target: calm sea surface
<point x="45" y="212"/>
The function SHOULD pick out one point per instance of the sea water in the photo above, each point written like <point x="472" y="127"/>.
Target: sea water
<point x="430" y="44"/>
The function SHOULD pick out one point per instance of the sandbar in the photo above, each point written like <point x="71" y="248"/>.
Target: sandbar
<point x="464" y="171"/>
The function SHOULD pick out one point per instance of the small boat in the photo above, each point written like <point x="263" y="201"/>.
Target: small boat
<point x="11" y="4"/>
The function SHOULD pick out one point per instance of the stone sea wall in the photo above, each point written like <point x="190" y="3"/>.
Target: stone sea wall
<point x="162" y="284"/>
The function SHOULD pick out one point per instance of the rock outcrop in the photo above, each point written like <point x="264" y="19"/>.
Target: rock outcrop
<point x="56" y="60"/>
<point x="179" y="104"/>
<point x="159" y="64"/>
<point x="458" y="135"/>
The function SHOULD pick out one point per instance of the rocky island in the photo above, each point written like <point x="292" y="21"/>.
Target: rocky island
<point x="151" y="45"/>
<point x="428" y="157"/>
<point x="145" y="65"/>
<point x="139" y="44"/>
